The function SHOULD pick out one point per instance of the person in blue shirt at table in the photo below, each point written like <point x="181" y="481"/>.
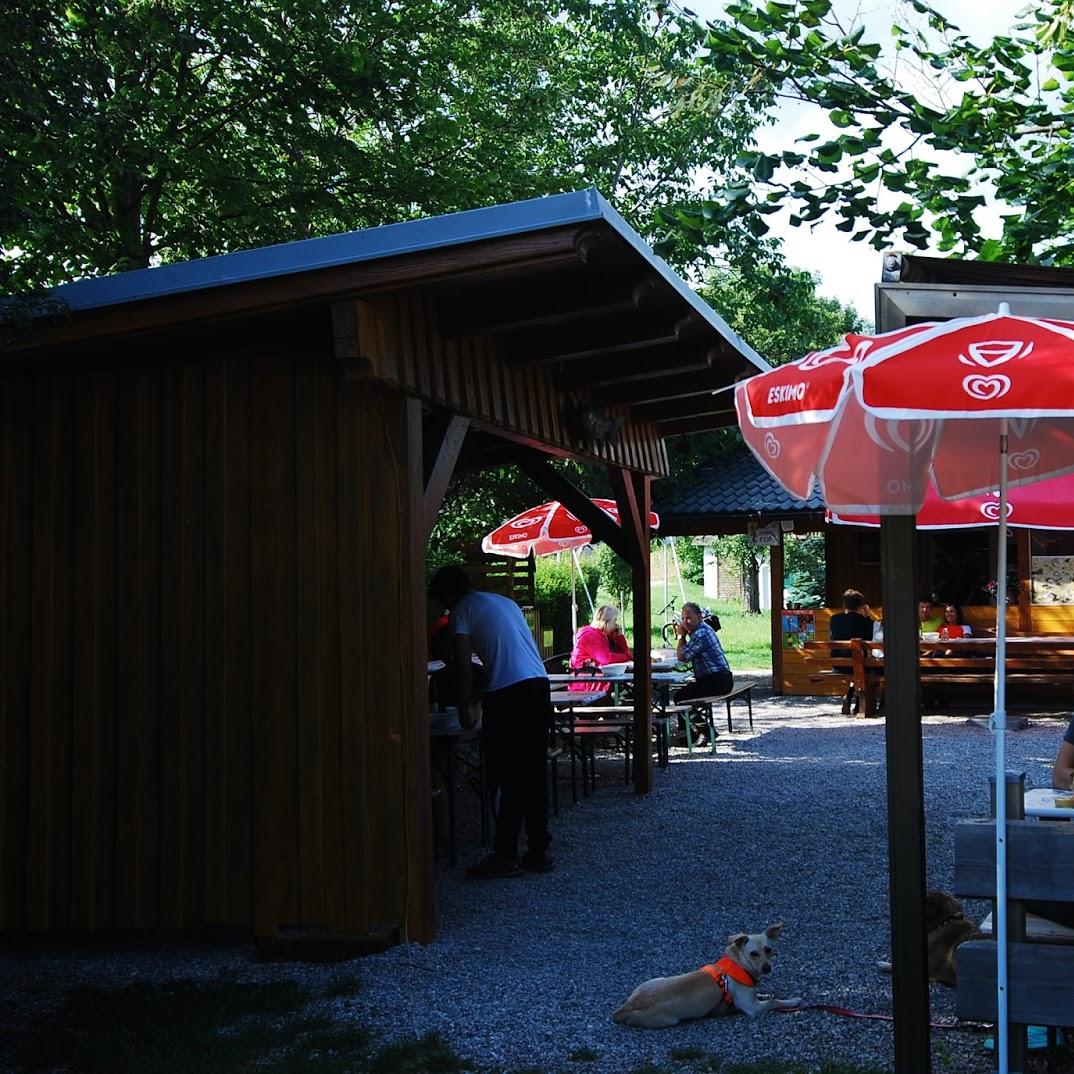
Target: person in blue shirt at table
<point x="712" y="673"/>
<point x="517" y="716"/>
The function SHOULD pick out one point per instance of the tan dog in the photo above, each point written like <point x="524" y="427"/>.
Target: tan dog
<point x="727" y="987"/>
<point x="946" y="926"/>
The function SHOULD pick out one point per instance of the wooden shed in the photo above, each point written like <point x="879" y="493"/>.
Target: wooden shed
<point x="217" y="480"/>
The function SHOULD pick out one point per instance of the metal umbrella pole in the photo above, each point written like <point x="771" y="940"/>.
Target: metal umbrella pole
<point x="999" y="726"/>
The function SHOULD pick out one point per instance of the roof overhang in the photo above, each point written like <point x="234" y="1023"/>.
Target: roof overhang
<point x="561" y="283"/>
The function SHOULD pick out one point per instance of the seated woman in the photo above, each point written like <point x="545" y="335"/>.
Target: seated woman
<point x="953" y="626"/>
<point x="600" y="643"/>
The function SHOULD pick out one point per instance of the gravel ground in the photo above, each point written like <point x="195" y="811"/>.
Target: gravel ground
<point x="785" y="823"/>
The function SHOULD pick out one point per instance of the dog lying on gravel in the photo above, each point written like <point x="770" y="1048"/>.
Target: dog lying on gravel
<point x="728" y="986"/>
<point x="946" y="926"/>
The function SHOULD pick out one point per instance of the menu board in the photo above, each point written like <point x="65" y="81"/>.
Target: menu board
<point x="797" y="627"/>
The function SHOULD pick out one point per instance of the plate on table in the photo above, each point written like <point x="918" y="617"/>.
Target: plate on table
<point x="931" y="635"/>
<point x="615" y="669"/>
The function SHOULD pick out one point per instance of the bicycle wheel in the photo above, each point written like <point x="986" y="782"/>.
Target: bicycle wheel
<point x="669" y="633"/>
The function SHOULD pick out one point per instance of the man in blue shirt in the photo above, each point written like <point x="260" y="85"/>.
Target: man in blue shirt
<point x="712" y="673"/>
<point x="517" y="716"/>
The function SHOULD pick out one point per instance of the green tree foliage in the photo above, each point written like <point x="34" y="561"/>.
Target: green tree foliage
<point x="778" y="311"/>
<point x="804" y="569"/>
<point x="145" y="131"/>
<point x="909" y="163"/>
<point x="554" y="596"/>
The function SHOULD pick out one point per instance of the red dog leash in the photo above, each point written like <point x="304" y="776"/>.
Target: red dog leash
<point x="846" y="1012"/>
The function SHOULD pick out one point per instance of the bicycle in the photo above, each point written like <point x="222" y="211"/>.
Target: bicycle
<point x="669" y="631"/>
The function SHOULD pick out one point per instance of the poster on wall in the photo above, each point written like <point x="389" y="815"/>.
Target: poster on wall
<point x="797" y="627"/>
<point x="1053" y="579"/>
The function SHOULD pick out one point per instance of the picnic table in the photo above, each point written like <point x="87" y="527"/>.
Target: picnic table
<point x="1043" y="660"/>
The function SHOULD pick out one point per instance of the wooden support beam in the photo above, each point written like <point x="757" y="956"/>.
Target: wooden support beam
<point x="537" y="468"/>
<point x="693" y="406"/>
<point x="669" y="385"/>
<point x="700" y="424"/>
<point x="443" y="467"/>
<point x="635" y="526"/>
<point x="633" y="493"/>
<point x="905" y="795"/>
<point x="418" y="841"/>
<point x="643" y="362"/>
<point x="776" y="576"/>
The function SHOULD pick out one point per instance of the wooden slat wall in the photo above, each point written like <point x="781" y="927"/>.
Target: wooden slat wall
<point x="401" y="338"/>
<point x="207" y="708"/>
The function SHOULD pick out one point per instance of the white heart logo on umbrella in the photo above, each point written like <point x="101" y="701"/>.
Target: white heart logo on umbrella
<point x="986" y="388"/>
<point x="1023" y="460"/>
<point x="991" y="511"/>
<point x="996" y="352"/>
<point x="771" y="445"/>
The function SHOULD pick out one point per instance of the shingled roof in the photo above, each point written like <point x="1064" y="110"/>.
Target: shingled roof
<point x="723" y="499"/>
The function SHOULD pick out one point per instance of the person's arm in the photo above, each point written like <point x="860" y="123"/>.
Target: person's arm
<point x="680" y="649"/>
<point x="1063" y="769"/>
<point x="617" y="645"/>
<point x="462" y="650"/>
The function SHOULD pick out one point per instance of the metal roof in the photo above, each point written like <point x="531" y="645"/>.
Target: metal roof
<point x="389" y="240"/>
<point x="739" y="487"/>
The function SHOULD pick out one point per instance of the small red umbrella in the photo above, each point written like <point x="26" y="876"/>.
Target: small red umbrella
<point x="968" y="405"/>
<point x="549" y="528"/>
<point x="546" y="529"/>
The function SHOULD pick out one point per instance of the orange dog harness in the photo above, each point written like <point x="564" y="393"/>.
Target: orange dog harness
<point x="727" y="967"/>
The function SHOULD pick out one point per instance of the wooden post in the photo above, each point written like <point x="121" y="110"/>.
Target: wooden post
<point x="775" y="615"/>
<point x="1025" y="565"/>
<point x="905" y="792"/>
<point x="633" y="493"/>
<point x="418" y="848"/>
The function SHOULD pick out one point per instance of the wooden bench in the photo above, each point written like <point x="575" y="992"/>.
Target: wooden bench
<point x="583" y="729"/>
<point x="1037" y="661"/>
<point x="1040" y="971"/>
<point x="707" y="703"/>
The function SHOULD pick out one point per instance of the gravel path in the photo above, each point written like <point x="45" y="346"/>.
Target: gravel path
<point x="783" y="824"/>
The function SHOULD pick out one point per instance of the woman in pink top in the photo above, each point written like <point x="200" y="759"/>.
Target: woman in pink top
<point x="598" y="644"/>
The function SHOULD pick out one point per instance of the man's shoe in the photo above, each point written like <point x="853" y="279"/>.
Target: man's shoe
<point x="540" y="862"/>
<point x="493" y="867"/>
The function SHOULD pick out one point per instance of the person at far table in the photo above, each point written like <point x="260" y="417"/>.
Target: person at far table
<point x="600" y="643"/>
<point x="517" y="716"/>
<point x="1063" y="769"/>
<point x="929" y="619"/>
<point x="854" y="621"/>
<point x="953" y="626"/>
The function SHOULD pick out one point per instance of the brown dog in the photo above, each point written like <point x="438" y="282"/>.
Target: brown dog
<point x="728" y="986"/>
<point x="946" y="926"/>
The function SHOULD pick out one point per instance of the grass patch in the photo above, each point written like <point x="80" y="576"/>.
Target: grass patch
<point x="216" y="1027"/>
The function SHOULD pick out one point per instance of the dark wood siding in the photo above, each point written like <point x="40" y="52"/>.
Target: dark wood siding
<point x="402" y="344"/>
<point x="207" y="700"/>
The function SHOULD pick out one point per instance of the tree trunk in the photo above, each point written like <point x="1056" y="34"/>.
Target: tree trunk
<point x="751" y="584"/>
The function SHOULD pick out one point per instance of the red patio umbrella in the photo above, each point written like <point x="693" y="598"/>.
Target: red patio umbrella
<point x="1047" y="505"/>
<point x="970" y="405"/>
<point x="547" y="528"/>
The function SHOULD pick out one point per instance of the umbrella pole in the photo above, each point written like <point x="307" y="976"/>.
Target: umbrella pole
<point x="574" y="602"/>
<point x="999" y="726"/>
